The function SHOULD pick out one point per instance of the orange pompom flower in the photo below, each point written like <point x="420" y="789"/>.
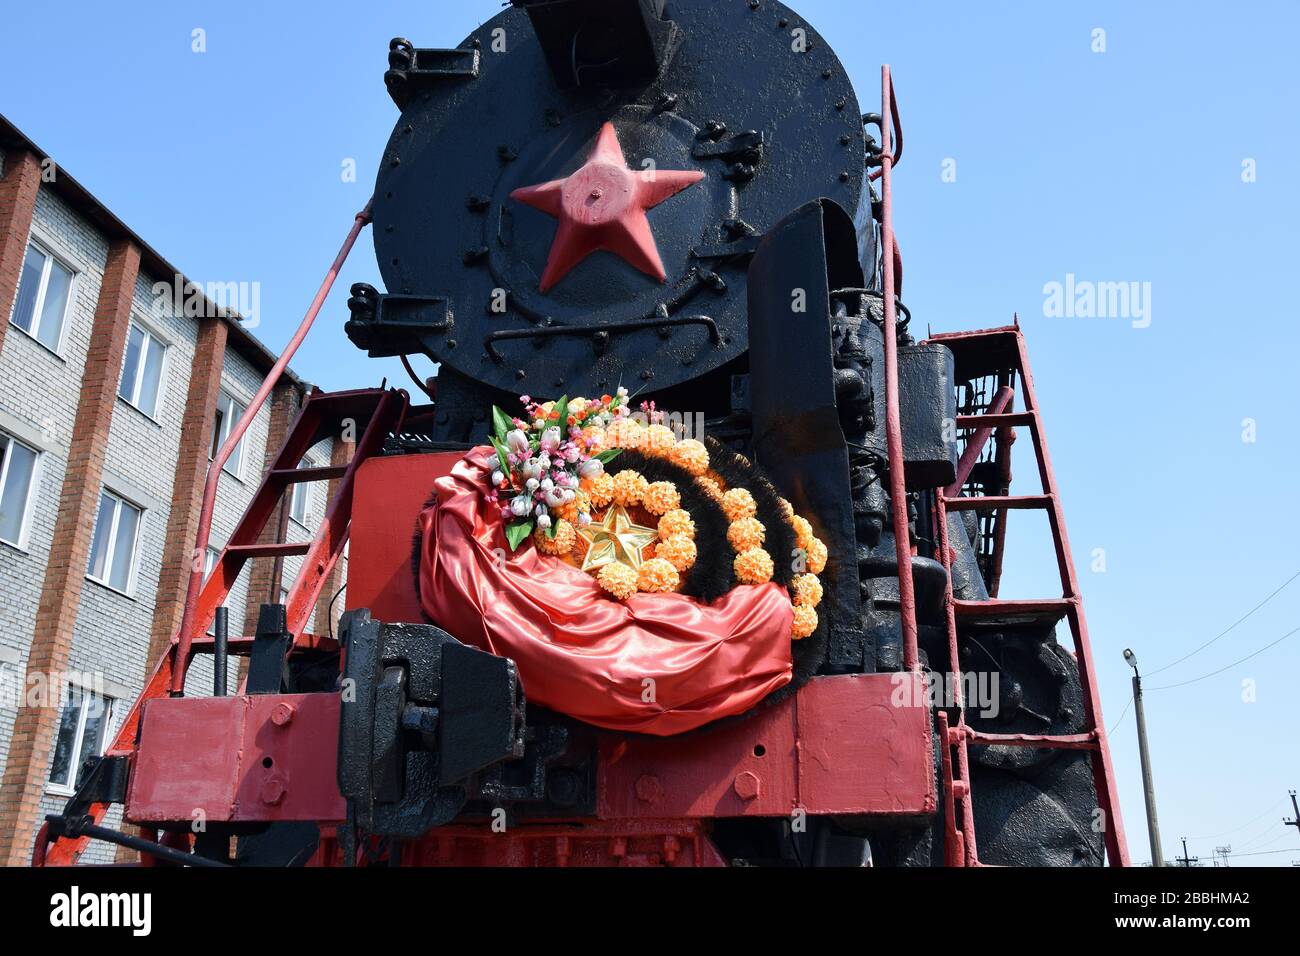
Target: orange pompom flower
<point x="656" y="576"/>
<point x="805" y="622"/>
<point x="753" y="566"/>
<point x="817" y="556"/>
<point x="678" y="550"/>
<point x="599" y="489"/>
<point x="691" y="455"/>
<point x="618" y="579"/>
<point x="563" y="542"/>
<point x="746" y="534"/>
<point x="677" y="522"/>
<point x="738" y="503"/>
<point x="660" y="497"/>
<point x="629" y="487"/>
<point x="807" y="590"/>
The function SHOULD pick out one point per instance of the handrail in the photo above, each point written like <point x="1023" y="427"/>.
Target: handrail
<point x="184" y="638"/>
<point x="893" y="428"/>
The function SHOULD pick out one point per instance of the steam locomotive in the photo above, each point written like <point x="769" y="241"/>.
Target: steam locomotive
<point x="758" y="291"/>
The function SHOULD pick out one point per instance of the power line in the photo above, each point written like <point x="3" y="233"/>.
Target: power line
<point x="1120" y="719"/>
<point x="1214" y="836"/>
<point x="1226" y="630"/>
<point x="1267" y="852"/>
<point x="1228" y="666"/>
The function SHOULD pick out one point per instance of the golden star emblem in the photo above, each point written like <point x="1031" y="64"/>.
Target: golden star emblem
<point x="615" y="537"/>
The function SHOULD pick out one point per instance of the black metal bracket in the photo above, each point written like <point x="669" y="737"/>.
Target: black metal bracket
<point x="411" y="71"/>
<point x="600" y="333"/>
<point x="385" y="324"/>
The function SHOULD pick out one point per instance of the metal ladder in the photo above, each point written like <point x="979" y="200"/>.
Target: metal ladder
<point x="323" y="415"/>
<point x="1003" y="349"/>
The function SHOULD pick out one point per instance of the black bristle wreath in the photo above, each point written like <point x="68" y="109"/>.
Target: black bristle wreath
<point x="778" y="534"/>
<point x="712" y="574"/>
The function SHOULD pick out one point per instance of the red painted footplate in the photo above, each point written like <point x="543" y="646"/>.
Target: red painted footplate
<point x="266" y="757"/>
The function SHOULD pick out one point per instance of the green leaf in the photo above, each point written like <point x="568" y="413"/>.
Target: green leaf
<point x="501" y="423"/>
<point x="501" y="455"/>
<point x="605" y="457"/>
<point x="550" y="531"/>
<point x="518" y="531"/>
<point x="562" y="407"/>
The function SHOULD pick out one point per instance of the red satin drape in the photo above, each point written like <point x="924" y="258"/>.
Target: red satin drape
<point x="654" y="664"/>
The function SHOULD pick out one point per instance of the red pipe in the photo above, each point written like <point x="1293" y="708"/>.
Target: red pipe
<point x="185" y="637"/>
<point x="893" y="429"/>
<point x="975" y="444"/>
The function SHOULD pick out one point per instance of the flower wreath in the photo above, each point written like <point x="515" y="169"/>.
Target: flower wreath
<point x="645" y="511"/>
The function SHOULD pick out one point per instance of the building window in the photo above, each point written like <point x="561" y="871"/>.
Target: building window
<point x="82" y="731"/>
<point x="17" y="477"/>
<point x="228" y="414"/>
<point x="44" y="291"/>
<point x="142" y="370"/>
<point x="301" y="495"/>
<point x="112" y="550"/>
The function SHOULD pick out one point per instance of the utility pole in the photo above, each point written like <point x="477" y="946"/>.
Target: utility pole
<point x="1186" y="860"/>
<point x="1222" y="852"/>
<point x="1153" y="825"/>
<point x="1294" y="821"/>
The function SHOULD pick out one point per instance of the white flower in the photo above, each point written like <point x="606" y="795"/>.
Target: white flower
<point x="531" y="485"/>
<point x="547" y="484"/>
<point x="555" y="497"/>
<point x="519" y="506"/>
<point x="550" y="439"/>
<point x="584" y="519"/>
<point x="543" y="521"/>
<point x="591" y="468"/>
<point x="622" y="391"/>
<point x="497" y="477"/>
<point x="517" y="441"/>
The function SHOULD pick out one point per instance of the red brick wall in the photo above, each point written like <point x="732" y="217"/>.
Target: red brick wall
<point x="18" y="190"/>
<point x="37" y="721"/>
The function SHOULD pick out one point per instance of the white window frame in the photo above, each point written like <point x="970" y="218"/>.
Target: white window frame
<point x="38" y="307"/>
<point x="112" y="543"/>
<point x="134" y="400"/>
<point x="228" y="421"/>
<point x="25" y="525"/>
<point x="299" y="498"/>
<point x="79" y="735"/>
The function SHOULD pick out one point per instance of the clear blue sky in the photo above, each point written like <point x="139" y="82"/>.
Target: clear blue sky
<point x="1117" y="166"/>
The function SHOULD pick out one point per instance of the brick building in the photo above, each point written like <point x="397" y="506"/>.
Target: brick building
<point x="112" y="398"/>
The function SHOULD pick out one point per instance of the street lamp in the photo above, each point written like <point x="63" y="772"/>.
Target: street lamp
<point x="1153" y="826"/>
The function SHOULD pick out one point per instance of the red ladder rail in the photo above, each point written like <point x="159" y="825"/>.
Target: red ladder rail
<point x="1009" y="343"/>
